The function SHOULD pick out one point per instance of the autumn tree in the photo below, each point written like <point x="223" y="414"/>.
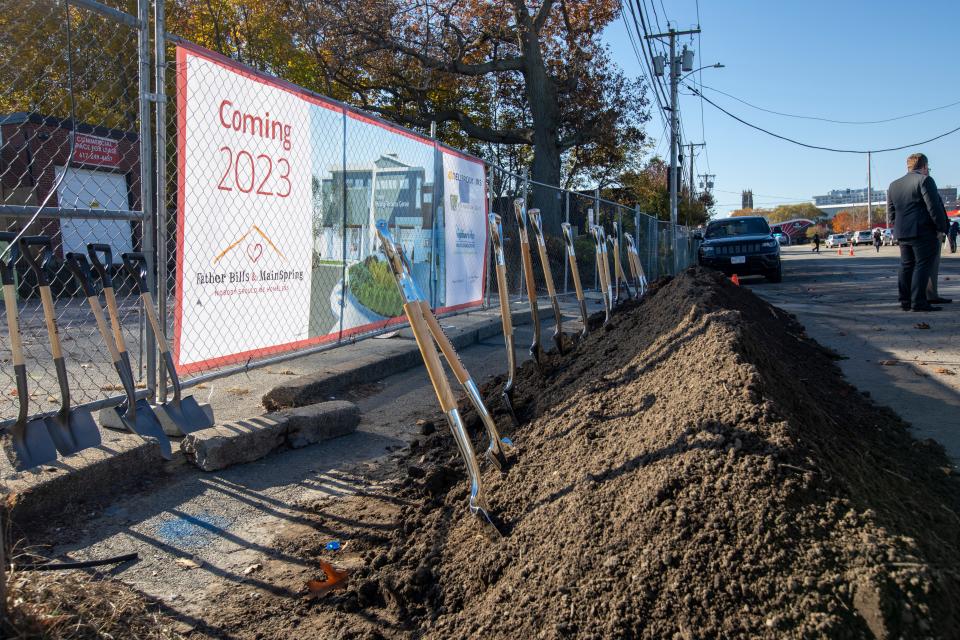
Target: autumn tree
<point x="514" y="72"/>
<point x="844" y="222"/>
<point x="648" y="189"/>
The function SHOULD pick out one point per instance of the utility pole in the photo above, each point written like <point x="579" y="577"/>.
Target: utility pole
<point x="690" y="160"/>
<point x="870" y="194"/>
<point x="677" y="66"/>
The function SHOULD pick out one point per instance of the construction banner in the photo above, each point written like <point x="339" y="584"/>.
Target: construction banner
<point x="465" y="229"/>
<point x="278" y="193"/>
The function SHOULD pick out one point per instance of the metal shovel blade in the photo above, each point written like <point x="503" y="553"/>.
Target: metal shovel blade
<point x="28" y="444"/>
<point x="187" y="415"/>
<point x="140" y="419"/>
<point x="184" y="412"/>
<point x="144" y="423"/>
<point x="71" y="429"/>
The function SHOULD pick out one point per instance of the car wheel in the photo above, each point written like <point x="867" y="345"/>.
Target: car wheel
<point x="776" y="275"/>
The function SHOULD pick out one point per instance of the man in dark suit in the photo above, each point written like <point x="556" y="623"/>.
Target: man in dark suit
<point x="916" y="212"/>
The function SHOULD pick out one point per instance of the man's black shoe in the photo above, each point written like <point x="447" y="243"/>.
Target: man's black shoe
<point x="928" y="308"/>
<point x="940" y="300"/>
<point x="905" y="306"/>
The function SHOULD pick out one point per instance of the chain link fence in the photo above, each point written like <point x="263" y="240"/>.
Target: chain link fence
<point x="80" y="128"/>
<point x="69" y="143"/>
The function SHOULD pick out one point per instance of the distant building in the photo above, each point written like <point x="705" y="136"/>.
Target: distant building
<point x="851" y="196"/>
<point x="746" y="199"/>
<point x="840" y="199"/>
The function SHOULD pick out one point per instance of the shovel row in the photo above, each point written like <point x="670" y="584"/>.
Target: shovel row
<point x="430" y="337"/>
<point x="30" y="443"/>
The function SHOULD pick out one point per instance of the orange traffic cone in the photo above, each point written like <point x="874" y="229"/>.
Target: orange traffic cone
<point x="735" y="280"/>
<point x="851" y="250"/>
<point x="839" y="251"/>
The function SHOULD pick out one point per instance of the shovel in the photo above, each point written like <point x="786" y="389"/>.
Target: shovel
<point x="536" y="223"/>
<point x="603" y="269"/>
<point x="521" y="212"/>
<point x="618" y="272"/>
<point x="27" y="443"/>
<point x="575" y="271"/>
<point x="135" y="416"/>
<point x="495" y="452"/>
<point x="182" y="415"/>
<point x="636" y="267"/>
<point x="413" y="309"/>
<point x="71" y="430"/>
<point x="496" y="234"/>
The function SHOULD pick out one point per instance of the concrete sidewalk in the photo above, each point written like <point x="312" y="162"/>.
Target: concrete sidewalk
<point x="907" y="361"/>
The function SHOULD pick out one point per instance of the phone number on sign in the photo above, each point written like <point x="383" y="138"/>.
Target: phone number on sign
<point x="258" y="174"/>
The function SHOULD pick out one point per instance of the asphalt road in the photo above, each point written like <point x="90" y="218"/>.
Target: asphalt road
<point x="849" y="303"/>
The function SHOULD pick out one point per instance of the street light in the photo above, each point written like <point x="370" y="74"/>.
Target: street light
<point x="709" y="66"/>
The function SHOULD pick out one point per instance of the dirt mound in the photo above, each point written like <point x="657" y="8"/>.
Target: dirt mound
<point x="697" y="469"/>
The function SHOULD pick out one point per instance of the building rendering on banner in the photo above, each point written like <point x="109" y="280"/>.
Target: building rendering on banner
<point x="387" y="189"/>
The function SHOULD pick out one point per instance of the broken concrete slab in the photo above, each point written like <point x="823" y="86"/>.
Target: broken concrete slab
<point x="318" y="422"/>
<point x="247" y="440"/>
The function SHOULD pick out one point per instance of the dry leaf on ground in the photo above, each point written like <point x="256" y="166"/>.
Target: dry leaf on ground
<point x="187" y="563"/>
<point x="336" y="579"/>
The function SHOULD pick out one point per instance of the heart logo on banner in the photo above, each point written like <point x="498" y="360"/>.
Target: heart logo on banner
<point x="255" y="251"/>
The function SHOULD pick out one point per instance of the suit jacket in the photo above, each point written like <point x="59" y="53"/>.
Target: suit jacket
<point x="914" y="207"/>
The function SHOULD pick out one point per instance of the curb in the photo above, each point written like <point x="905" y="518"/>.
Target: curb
<point x="71" y="482"/>
<point x="323" y="385"/>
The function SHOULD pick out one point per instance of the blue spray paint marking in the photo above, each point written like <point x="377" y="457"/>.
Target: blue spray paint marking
<point x="192" y="531"/>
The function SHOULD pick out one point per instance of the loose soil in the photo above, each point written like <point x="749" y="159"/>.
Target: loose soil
<point x="698" y="468"/>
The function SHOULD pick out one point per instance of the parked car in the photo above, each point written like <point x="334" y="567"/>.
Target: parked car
<point x="862" y="237"/>
<point x="741" y="245"/>
<point x="837" y="240"/>
<point x="782" y="238"/>
<point x="888" y="239"/>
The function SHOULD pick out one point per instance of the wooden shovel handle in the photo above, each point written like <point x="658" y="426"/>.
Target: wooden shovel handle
<point x="504" y="296"/>
<point x="13" y="324"/>
<point x="528" y="270"/>
<point x="547" y="273"/>
<point x="104" y="329"/>
<point x="50" y="318"/>
<point x="115" y="319"/>
<point x="430" y="358"/>
<point x="154" y="322"/>
<point x="449" y="353"/>
<point x="575" y="272"/>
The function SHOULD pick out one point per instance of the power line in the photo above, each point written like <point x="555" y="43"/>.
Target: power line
<point x="794" y="115"/>
<point x="818" y="147"/>
<point x="654" y="85"/>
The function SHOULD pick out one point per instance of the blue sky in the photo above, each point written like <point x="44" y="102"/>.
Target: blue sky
<point x="843" y="60"/>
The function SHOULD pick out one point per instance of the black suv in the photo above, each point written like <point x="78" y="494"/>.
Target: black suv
<point x="742" y="245"/>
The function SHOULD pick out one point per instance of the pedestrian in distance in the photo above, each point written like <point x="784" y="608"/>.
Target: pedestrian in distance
<point x="877" y="239"/>
<point x="917" y="215"/>
<point x="816" y="243"/>
<point x="952" y="235"/>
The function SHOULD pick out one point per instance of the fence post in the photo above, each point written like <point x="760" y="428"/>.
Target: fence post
<point x="596" y="208"/>
<point x="160" y="59"/>
<point x="523" y="275"/>
<point x="146" y="176"/>
<point x="566" y="263"/>
<point x="488" y="255"/>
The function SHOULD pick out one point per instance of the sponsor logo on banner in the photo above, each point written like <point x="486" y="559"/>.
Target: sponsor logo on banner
<point x="465" y="229"/>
